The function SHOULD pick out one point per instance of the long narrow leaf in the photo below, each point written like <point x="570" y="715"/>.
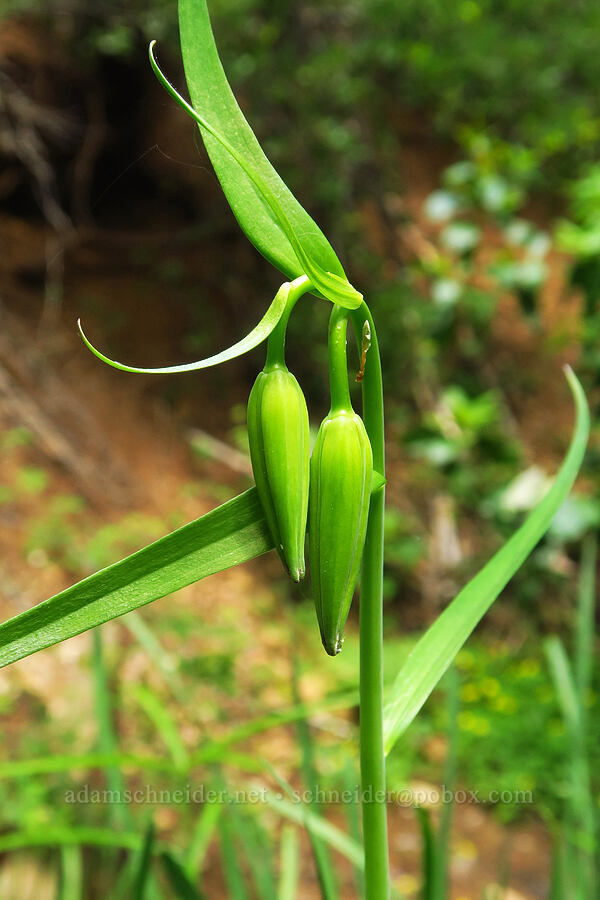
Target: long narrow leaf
<point x="233" y="533"/>
<point x="61" y="836"/>
<point x="71" y="873"/>
<point x="161" y="658"/>
<point x="301" y="815"/>
<point x="289" y="865"/>
<point x="213" y="751"/>
<point x="178" y="878"/>
<point x="352" y="810"/>
<point x="439" y="645"/>
<point x="266" y="210"/>
<point x="256" y="847"/>
<point x="323" y="863"/>
<point x="579" y="825"/>
<point x="202" y="835"/>
<point x="164" y="723"/>
<point x="107" y="737"/>
<point x="235" y="878"/>
<point x="585" y="632"/>
<point x="442" y="842"/>
<point x="141" y="871"/>
<point x="428" y="856"/>
<point x="564" y="684"/>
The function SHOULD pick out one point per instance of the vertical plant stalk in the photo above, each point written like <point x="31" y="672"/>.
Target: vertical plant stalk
<point x="372" y="756"/>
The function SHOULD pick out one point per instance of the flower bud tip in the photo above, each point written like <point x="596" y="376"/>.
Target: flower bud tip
<point x="333" y="649"/>
<point x="296" y="574"/>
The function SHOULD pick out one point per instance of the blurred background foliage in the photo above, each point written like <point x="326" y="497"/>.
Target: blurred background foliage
<point x="449" y="150"/>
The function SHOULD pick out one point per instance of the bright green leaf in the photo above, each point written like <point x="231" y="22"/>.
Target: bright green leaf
<point x="233" y="533"/>
<point x="439" y="645"/>
<point x="266" y="210"/>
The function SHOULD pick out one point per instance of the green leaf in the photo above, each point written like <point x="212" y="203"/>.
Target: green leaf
<point x="235" y="878"/>
<point x="64" y="835"/>
<point x="143" y="864"/>
<point x="71" y="873"/>
<point x="268" y="213"/>
<point x="107" y="738"/>
<point x="584" y="635"/>
<point x="178" y="878"/>
<point x="300" y="814"/>
<point x="161" y="658"/>
<point x="216" y="750"/>
<point x="233" y="533"/>
<point x="439" y="645"/>
<point x="254" y="842"/>
<point x="323" y="863"/>
<point x="564" y="683"/>
<point x="164" y="723"/>
<point x="289" y="867"/>
<point x="202" y="835"/>
<point x="428" y="855"/>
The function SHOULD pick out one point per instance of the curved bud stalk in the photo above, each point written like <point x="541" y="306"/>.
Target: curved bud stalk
<point x="287" y="295"/>
<point x="341" y="474"/>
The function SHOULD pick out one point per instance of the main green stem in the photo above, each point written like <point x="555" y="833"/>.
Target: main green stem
<point x="372" y="756"/>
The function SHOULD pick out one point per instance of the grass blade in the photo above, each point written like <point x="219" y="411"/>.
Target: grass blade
<point x="178" y="878"/>
<point x="442" y="842"/>
<point x="352" y="810"/>
<point x="257" y="852"/>
<point x="235" y="878"/>
<point x="64" y="836"/>
<point x="564" y="684"/>
<point x="162" y="720"/>
<point x="428" y="856"/>
<point x="289" y="865"/>
<point x="201" y="838"/>
<point x="266" y="210"/>
<point x="439" y="645"/>
<point x="107" y="739"/>
<point x="230" y="534"/>
<point x="71" y="874"/>
<point x="212" y="751"/>
<point x="324" y="866"/>
<point x="301" y="815"/>
<point x="165" y="661"/>
<point x="585" y="631"/>
<point x="579" y="827"/>
<point x="142" y="865"/>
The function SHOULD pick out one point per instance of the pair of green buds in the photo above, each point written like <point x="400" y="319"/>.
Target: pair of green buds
<point x="332" y="488"/>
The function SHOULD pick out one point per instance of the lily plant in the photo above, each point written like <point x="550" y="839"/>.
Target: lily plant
<point x="341" y="493"/>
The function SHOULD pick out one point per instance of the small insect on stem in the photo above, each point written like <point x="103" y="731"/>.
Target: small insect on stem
<point x="364" y="346"/>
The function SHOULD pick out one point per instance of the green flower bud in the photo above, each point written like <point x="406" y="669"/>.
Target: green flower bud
<point x="280" y="452"/>
<point x="340" y="488"/>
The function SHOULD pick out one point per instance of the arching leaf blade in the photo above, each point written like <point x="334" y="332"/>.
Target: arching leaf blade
<point x="441" y="642"/>
<point x="268" y="213"/>
<point x="228" y="535"/>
